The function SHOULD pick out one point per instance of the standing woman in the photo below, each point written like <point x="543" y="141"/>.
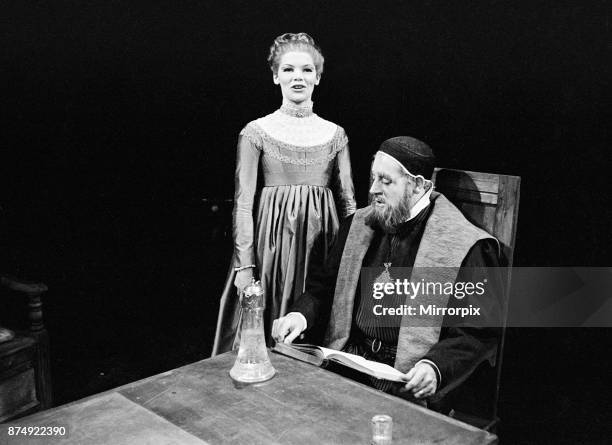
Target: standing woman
<point x="300" y="156"/>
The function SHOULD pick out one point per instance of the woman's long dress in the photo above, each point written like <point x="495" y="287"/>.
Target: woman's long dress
<point x="300" y="158"/>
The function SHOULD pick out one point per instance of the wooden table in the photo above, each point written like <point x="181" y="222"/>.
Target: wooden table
<point x="199" y="404"/>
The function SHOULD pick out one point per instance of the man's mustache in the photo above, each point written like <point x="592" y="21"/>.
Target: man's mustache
<point x="376" y="198"/>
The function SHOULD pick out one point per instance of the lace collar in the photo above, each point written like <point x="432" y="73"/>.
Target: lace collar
<point x="296" y="110"/>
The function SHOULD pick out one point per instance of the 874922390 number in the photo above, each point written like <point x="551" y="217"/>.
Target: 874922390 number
<point x="36" y="431"/>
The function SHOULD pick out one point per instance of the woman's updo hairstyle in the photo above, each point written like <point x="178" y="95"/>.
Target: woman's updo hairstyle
<point x="295" y="42"/>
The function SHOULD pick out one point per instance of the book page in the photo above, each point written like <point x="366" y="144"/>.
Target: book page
<point x="304" y="353"/>
<point x="308" y="349"/>
<point x="376" y="369"/>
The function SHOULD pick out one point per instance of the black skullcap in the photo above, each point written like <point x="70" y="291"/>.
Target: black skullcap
<point x="414" y="155"/>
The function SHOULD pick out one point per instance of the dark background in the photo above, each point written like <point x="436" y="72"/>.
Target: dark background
<point x="119" y="124"/>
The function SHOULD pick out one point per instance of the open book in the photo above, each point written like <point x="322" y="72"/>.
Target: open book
<point x="318" y="355"/>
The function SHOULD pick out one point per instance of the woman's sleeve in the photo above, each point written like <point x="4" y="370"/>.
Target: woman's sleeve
<point x="344" y="179"/>
<point x="247" y="162"/>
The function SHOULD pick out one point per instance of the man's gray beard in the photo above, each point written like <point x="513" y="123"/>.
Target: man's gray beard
<point x="390" y="217"/>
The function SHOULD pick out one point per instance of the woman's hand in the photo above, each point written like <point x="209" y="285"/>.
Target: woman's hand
<point x="243" y="279"/>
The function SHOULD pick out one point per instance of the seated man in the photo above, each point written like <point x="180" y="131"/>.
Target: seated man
<point x="407" y="225"/>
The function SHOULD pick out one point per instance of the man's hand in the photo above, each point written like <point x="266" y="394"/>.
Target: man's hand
<point x="422" y="380"/>
<point x="243" y="279"/>
<point x="287" y="328"/>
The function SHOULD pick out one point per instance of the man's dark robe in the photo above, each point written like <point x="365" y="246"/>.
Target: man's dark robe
<point x="459" y="349"/>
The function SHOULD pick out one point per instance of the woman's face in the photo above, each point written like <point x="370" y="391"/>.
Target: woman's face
<point x="297" y="76"/>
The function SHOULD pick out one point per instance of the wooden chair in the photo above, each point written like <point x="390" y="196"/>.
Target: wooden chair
<point x="25" y="382"/>
<point x="491" y="202"/>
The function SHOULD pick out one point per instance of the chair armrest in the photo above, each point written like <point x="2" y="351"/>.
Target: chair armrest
<point x="34" y="292"/>
<point x="22" y="286"/>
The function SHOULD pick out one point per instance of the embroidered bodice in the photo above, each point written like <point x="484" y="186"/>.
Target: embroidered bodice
<point x="301" y="141"/>
<point x="291" y="148"/>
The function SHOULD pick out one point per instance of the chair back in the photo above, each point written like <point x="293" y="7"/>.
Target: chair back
<point x="491" y="202"/>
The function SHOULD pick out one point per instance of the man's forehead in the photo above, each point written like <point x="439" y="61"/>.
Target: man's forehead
<point x="384" y="165"/>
